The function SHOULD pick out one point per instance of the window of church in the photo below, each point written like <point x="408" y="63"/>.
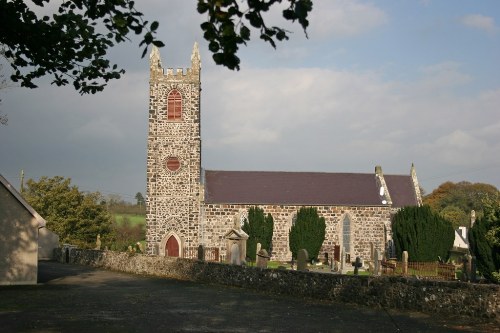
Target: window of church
<point x="174" y="106"/>
<point x="346" y="233"/>
<point x="173" y="163"/>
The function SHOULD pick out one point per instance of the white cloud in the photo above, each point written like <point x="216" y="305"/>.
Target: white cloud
<point x="481" y="22"/>
<point x="344" y="18"/>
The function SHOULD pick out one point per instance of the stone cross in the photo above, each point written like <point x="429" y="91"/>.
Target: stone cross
<point x="262" y="258"/>
<point x="302" y="257"/>
<point x="357" y="265"/>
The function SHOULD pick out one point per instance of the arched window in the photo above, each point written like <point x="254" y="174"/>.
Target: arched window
<point x="346" y="233"/>
<point x="174" y="106"/>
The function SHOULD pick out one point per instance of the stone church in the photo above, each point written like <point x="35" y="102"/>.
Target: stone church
<point x="188" y="206"/>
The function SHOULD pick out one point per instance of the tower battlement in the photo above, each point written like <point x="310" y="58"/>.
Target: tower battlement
<point x="157" y="72"/>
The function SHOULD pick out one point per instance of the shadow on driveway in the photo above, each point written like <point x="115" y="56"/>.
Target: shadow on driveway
<point x="71" y="298"/>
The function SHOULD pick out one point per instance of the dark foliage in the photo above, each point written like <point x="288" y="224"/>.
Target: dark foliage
<point x="485" y="245"/>
<point x="308" y="232"/>
<point x="71" y="44"/>
<point x="228" y="25"/>
<point x="259" y="229"/>
<point x="423" y="233"/>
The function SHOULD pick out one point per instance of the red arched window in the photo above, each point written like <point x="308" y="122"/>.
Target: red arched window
<point x="174" y="106"/>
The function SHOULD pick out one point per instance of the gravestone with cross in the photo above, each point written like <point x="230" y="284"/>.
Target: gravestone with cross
<point x="357" y="265"/>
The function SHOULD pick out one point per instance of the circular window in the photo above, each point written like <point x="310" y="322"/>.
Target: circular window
<point x="173" y="163"/>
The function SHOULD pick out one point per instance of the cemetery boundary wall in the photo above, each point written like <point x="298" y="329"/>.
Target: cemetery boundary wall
<point x="436" y="297"/>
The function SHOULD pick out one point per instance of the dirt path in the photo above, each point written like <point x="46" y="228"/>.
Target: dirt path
<point x="73" y="298"/>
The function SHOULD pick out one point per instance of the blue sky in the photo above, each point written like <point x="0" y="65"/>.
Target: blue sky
<point x="385" y="83"/>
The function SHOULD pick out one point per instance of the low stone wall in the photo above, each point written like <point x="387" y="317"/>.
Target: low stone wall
<point x="437" y="297"/>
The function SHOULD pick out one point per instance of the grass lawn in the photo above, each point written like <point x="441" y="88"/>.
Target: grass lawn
<point x="133" y="218"/>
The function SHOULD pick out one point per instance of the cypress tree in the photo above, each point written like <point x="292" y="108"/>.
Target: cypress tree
<point x="424" y="234"/>
<point x="259" y="229"/>
<point x="308" y="232"/>
<point x="486" y="251"/>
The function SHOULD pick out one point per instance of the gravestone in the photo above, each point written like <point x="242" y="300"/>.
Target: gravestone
<point x="342" y="260"/>
<point x="235" y="255"/>
<point x="467" y="268"/>
<point x="140" y="247"/>
<point x="357" y="265"/>
<point x="262" y="259"/>
<point x="201" y="252"/>
<point x="405" y="262"/>
<point x="391" y="250"/>
<point x="98" y="242"/>
<point x="258" y="247"/>
<point x="376" y="262"/>
<point x="302" y="257"/>
<point x="236" y="240"/>
<point x="473" y="269"/>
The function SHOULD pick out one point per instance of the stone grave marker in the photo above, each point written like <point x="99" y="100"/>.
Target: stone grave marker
<point x="98" y="242"/>
<point x="302" y="257"/>
<point x="376" y="262"/>
<point x="262" y="258"/>
<point x="235" y="255"/>
<point x="201" y="252"/>
<point x="473" y="269"/>
<point x="357" y="265"/>
<point x="405" y="262"/>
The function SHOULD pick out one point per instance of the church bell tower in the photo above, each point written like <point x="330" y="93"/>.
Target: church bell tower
<point x="174" y="157"/>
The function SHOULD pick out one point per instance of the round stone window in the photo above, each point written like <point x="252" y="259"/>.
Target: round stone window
<point x="173" y="164"/>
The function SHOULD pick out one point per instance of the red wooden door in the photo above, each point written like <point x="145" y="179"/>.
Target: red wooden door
<point x="172" y="247"/>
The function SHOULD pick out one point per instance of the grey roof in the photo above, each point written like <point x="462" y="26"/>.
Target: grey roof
<point x="27" y="206"/>
<point x="401" y="190"/>
<point x="301" y="188"/>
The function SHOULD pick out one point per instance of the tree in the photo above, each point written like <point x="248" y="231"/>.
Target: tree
<point x="259" y="229"/>
<point x="72" y="43"/>
<point x="423" y="233"/>
<point x="75" y="216"/>
<point x="484" y="241"/>
<point x="454" y="201"/>
<point x="140" y="199"/>
<point x="227" y="25"/>
<point x="455" y="215"/>
<point x="308" y="232"/>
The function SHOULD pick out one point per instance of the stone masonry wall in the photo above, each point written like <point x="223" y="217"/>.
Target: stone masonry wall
<point x="368" y="225"/>
<point x="435" y="297"/>
<point x="173" y="197"/>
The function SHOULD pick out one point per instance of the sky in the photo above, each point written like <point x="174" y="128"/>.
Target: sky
<point x="378" y="82"/>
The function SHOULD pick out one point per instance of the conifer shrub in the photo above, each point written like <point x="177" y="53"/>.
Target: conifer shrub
<point x="259" y="229"/>
<point x="308" y="232"/>
<point x="424" y="234"/>
<point x="484" y="243"/>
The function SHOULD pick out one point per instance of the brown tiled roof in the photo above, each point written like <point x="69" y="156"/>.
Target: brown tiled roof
<point x="304" y="188"/>
<point x="290" y="188"/>
<point x="401" y="190"/>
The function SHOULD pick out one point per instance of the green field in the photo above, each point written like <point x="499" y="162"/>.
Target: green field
<point x="134" y="219"/>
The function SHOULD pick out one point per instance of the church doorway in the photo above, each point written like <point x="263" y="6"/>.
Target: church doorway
<point x="172" y="247"/>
